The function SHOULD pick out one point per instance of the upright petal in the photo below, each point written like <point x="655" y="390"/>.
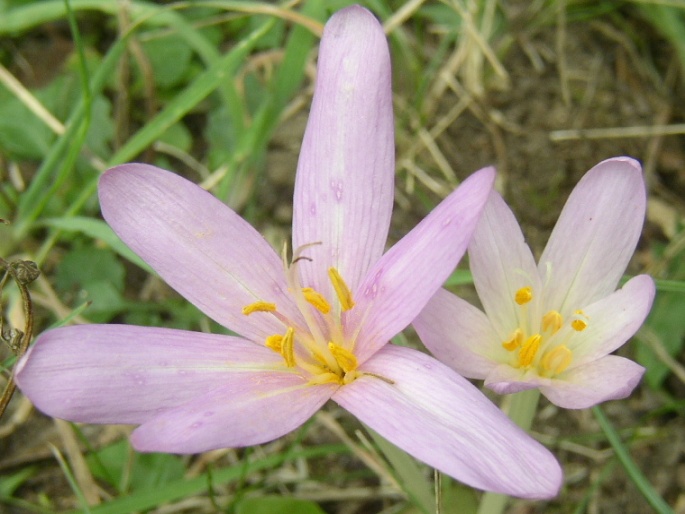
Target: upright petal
<point x="400" y="284"/>
<point x="613" y="320"/>
<point x="595" y="235"/>
<point x="249" y="411"/>
<point x="459" y="334"/>
<point x="127" y="374"/>
<point x="345" y="175"/>
<point x="198" y="245"/>
<point x="440" y="418"/>
<point x="502" y="263"/>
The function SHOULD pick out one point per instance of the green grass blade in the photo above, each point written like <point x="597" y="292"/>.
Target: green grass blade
<point x="198" y="90"/>
<point x="640" y="481"/>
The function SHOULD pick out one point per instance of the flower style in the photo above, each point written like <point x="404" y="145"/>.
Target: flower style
<point x="311" y="327"/>
<point x="553" y="325"/>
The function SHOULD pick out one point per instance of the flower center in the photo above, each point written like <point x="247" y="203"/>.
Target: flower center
<point x="546" y="350"/>
<point x="319" y="347"/>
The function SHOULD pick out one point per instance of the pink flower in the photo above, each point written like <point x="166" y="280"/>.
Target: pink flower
<point x="552" y="325"/>
<point x="312" y="327"/>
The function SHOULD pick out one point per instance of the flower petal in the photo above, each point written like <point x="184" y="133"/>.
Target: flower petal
<point x="400" y="284"/>
<point x="502" y="263"/>
<point x="613" y="320"/>
<point x="458" y="334"/>
<point x="198" y="245"/>
<point x="345" y="175"/>
<point x="609" y="378"/>
<point x="595" y="235"/>
<point x="127" y="374"/>
<point x="505" y="379"/>
<point x="250" y="410"/>
<point x="440" y="418"/>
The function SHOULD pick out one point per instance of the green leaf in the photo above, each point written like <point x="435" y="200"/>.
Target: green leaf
<point x="22" y="134"/>
<point x="98" y="230"/>
<point x="170" y="60"/>
<point x="667" y="322"/>
<point x="11" y="483"/>
<point x="97" y="272"/>
<point x="277" y="505"/>
<point x="130" y="471"/>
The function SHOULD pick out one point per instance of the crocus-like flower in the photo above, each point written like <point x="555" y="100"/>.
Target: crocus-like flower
<point x="553" y="325"/>
<point x="313" y="326"/>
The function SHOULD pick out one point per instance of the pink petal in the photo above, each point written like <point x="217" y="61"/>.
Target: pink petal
<point x="505" y="379"/>
<point x="400" y="284"/>
<point x="250" y="410"/>
<point x="127" y="374"/>
<point x="595" y="235"/>
<point x="502" y="263"/>
<point x="609" y="378"/>
<point x="199" y="246"/>
<point x="458" y="334"/>
<point x="613" y="320"/>
<point x="344" y="187"/>
<point x="440" y="418"/>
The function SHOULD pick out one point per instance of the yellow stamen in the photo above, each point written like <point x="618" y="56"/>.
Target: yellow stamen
<point x="524" y="295"/>
<point x="552" y="321"/>
<point x="557" y="360"/>
<point x="515" y="341"/>
<point x="529" y="350"/>
<point x="275" y="342"/>
<point x="316" y="299"/>
<point x="579" y="324"/>
<point x="341" y="290"/>
<point x="288" y="347"/>
<point x="259" y="307"/>
<point x="345" y="358"/>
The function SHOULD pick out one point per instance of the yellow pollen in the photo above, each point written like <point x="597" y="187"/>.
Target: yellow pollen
<point x="285" y="345"/>
<point x="341" y="290"/>
<point x="275" y="342"/>
<point x="316" y="299"/>
<point x="579" y="324"/>
<point x="552" y="321"/>
<point x="557" y="360"/>
<point x="523" y="295"/>
<point x="259" y="307"/>
<point x="288" y="347"/>
<point x="529" y="350"/>
<point x="514" y="342"/>
<point x="345" y="358"/>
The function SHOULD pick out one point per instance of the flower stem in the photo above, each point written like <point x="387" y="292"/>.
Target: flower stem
<point x="521" y="408"/>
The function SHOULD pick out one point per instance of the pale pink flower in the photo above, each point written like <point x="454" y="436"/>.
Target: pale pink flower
<point x="552" y="325"/>
<point x="311" y="327"/>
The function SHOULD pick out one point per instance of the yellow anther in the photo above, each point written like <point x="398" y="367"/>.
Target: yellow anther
<point x="275" y="342"/>
<point x="529" y="350"/>
<point x="557" y="360"/>
<point x="316" y="299"/>
<point x="524" y="295"/>
<point x="515" y="341"/>
<point x="288" y="347"/>
<point x="341" y="290"/>
<point x="345" y="358"/>
<point x="579" y="324"/>
<point x="259" y="307"/>
<point x="552" y="321"/>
